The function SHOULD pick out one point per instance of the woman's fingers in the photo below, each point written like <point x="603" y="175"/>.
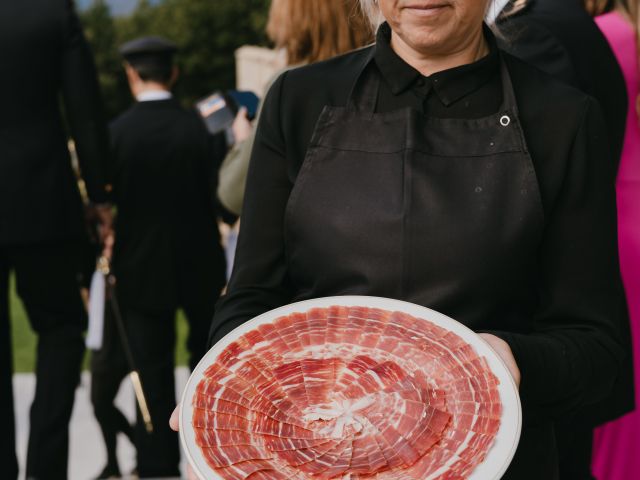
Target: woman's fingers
<point x="503" y="349"/>
<point x="191" y="475"/>
<point x="241" y="126"/>
<point x="174" y="422"/>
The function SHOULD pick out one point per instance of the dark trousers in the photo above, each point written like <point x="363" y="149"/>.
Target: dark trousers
<point x="108" y="369"/>
<point x="104" y="388"/>
<point x="151" y="337"/>
<point x="46" y="279"/>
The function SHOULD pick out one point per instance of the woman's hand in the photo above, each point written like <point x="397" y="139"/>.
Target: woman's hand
<point x="241" y="126"/>
<point x="503" y="350"/>
<point x="174" y="423"/>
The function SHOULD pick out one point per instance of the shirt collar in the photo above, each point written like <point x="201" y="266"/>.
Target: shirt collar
<point x="154" y="95"/>
<point x="450" y="85"/>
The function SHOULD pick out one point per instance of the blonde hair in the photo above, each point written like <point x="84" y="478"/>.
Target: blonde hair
<point x="314" y="30"/>
<point x="372" y="12"/>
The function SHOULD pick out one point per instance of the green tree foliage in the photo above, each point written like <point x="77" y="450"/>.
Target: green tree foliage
<point x="100" y="30"/>
<point x="207" y="31"/>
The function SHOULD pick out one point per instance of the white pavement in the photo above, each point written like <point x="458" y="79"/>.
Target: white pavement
<point x="86" y="450"/>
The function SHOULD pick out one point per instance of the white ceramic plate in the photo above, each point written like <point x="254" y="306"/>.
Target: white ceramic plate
<point x="506" y="441"/>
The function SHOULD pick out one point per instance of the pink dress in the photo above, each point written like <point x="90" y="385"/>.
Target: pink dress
<point x="616" y="453"/>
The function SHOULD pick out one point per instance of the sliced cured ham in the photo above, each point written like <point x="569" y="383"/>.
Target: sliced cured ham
<point x="346" y="393"/>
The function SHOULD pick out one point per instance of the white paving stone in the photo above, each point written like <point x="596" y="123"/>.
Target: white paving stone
<point x="86" y="450"/>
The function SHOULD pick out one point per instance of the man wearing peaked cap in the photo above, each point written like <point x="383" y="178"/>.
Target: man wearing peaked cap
<point x="167" y="253"/>
<point x="150" y="59"/>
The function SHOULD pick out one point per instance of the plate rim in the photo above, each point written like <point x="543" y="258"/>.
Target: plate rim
<point x="507" y="383"/>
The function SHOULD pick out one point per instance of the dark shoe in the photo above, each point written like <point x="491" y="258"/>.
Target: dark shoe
<point x="110" y="471"/>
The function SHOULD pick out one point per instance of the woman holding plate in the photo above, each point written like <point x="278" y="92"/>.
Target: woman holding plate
<point x="431" y="167"/>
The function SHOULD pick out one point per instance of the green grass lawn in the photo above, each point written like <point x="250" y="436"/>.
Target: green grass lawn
<point x="24" y="340"/>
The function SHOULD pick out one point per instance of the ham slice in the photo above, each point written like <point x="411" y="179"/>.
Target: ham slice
<point x="346" y="393"/>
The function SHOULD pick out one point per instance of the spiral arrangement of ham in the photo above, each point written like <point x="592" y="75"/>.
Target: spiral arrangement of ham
<point x="347" y="393"/>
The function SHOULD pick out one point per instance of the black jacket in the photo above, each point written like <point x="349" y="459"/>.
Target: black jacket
<point x="560" y="38"/>
<point x="45" y="62"/>
<point x="167" y="241"/>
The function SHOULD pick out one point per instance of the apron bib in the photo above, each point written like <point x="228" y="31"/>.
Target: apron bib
<point x="445" y="213"/>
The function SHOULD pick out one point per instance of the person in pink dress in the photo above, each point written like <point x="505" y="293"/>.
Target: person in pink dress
<point x="615" y="454"/>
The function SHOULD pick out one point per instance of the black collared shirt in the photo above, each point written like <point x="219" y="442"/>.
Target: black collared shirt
<point x="468" y="91"/>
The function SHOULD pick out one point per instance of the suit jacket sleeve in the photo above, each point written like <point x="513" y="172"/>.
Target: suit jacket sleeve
<point x="233" y="175"/>
<point x="84" y="109"/>
<point x="575" y="352"/>
<point x="259" y="281"/>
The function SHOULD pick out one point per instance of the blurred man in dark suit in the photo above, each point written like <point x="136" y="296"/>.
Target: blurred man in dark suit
<point x="45" y="62"/>
<point x="560" y="38"/>
<point x="167" y="251"/>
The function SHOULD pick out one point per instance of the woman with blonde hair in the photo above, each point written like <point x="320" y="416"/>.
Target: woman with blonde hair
<point x="615" y="454"/>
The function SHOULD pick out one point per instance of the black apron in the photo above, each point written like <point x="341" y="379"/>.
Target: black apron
<point x="445" y="213"/>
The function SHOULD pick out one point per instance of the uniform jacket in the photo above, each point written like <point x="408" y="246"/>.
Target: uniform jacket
<point x="165" y="180"/>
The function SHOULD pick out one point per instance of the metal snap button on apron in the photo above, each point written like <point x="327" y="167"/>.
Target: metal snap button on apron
<point x="505" y="120"/>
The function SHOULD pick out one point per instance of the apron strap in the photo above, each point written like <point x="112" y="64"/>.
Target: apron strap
<point x="509" y="103"/>
<point x="510" y="115"/>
